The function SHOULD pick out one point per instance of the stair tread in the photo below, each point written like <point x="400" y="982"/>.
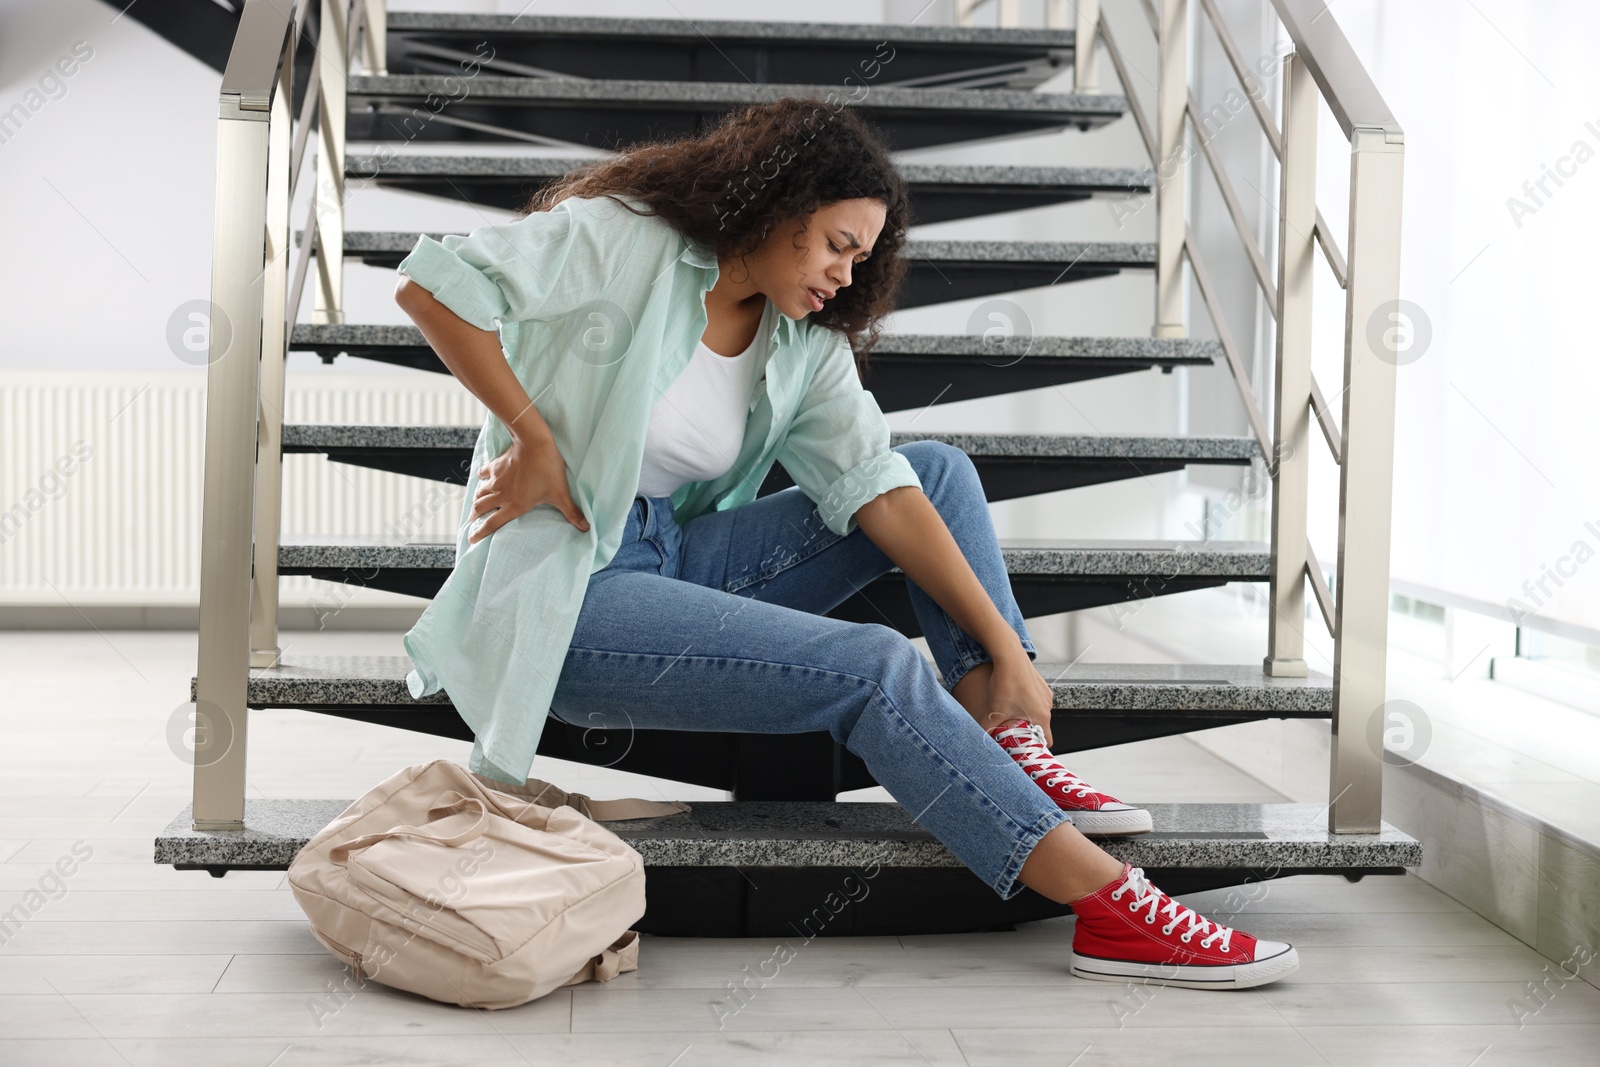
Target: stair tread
<point x="1155" y="688"/>
<point x="1023" y="555"/>
<point x="838" y="834"/>
<point x="700" y="30"/>
<point x="1122" y="253"/>
<point x="1121" y="446"/>
<point x="1136" y="349"/>
<point x="1130" y="179"/>
<point x="496" y="87"/>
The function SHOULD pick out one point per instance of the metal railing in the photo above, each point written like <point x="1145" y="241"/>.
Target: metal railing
<point x="1362" y="440"/>
<point x="255" y="304"/>
<point x="260" y="152"/>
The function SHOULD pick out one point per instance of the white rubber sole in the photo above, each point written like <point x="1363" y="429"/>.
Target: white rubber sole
<point x="1190" y="976"/>
<point x="1111" y="823"/>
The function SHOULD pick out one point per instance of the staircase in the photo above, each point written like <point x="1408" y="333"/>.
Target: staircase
<point x="748" y="866"/>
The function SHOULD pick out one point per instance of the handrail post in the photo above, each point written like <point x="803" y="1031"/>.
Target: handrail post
<point x="375" y="37"/>
<point x="1086" y="31"/>
<point x="239" y="285"/>
<point x="1171" y="170"/>
<point x="333" y="70"/>
<point x="264" y="650"/>
<point x="1366" y="479"/>
<point x="1289" y="465"/>
<point x="1085" y="71"/>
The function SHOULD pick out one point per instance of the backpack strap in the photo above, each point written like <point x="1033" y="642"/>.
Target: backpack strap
<point x="621" y="955"/>
<point x="553" y="796"/>
<point x="429" y="832"/>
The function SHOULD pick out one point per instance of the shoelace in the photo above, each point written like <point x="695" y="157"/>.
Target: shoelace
<point x="1146" y="894"/>
<point x="1039" y="761"/>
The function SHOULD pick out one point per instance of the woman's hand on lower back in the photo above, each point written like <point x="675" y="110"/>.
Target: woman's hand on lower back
<point x="527" y="474"/>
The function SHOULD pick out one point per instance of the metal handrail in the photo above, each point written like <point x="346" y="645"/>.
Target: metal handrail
<point x="1346" y="86"/>
<point x="251" y="76"/>
<point x="1362" y="441"/>
<point x="260" y="156"/>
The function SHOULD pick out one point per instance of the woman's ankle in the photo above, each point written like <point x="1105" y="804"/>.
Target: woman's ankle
<point x="972" y="692"/>
<point x="1065" y="866"/>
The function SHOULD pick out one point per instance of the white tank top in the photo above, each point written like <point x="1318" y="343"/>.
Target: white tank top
<point x="697" y="425"/>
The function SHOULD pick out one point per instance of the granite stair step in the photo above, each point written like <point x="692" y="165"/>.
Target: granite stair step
<point x="939" y="192"/>
<point x="1048" y="575"/>
<point x="940" y="271"/>
<point x="722" y="50"/>
<point x="1094" y="705"/>
<point x="752" y="868"/>
<point x="1010" y="465"/>
<point x="613" y="113"/>
<point x="904" y="371"/>
<point x="1201" y="690"/>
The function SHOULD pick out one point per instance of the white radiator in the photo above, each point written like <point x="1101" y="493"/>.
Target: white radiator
<point x="100" y="481"/>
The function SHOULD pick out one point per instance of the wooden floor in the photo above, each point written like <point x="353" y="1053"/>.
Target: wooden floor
<point x="123" y="962"/>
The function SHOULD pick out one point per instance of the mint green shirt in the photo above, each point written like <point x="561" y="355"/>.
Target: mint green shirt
<point x="598" y="310"/>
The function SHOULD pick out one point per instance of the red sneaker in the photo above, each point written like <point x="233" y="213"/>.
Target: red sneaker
<point x="1092" y="812"/>
<point x="1130" y="929"/>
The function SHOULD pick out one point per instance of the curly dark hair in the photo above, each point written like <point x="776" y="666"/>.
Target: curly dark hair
<point x="766" y="163"/>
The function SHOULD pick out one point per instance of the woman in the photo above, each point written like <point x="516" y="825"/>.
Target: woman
<point x="672" y="321"/>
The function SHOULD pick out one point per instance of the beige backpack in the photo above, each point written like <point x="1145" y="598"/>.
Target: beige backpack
<point x="474" y="892"/>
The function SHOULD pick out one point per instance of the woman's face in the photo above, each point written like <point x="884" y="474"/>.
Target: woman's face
<point x="792" y="263"/>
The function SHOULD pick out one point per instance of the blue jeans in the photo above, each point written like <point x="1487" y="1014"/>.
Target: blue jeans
<point x="718" y="625"/>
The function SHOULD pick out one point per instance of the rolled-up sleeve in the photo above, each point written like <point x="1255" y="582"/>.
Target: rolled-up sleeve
<point x="837" y="446"/>
<point x="542" y="266"/>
